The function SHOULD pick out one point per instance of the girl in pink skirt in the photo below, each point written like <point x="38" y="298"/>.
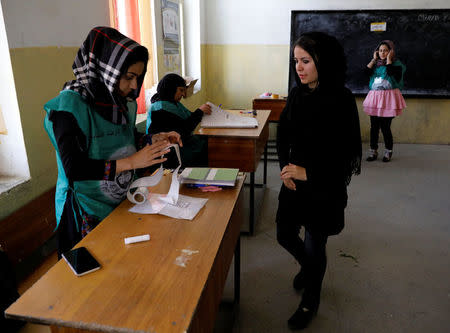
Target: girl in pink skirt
<point x="384" y="100"/>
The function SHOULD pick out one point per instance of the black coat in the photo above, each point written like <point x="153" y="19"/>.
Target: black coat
<point x="315" y="132"/>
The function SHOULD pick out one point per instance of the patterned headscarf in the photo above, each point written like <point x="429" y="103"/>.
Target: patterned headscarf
<point x="98" y="66"/>
<point x="390" y="44"/>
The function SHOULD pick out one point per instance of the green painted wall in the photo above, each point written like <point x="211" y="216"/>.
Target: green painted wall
<point x="39" y="74"/>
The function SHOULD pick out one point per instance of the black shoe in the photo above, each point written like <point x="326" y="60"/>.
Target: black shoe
<point x="387" y="155"/>
<point x="373" y="155"/>
<point x="301" y="318"/>
<point x="299" y="281"/>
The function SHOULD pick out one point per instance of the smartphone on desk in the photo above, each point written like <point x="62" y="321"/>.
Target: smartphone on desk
<point x="81" y="261"/>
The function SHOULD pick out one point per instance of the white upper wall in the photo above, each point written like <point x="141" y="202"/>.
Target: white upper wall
<point x="269" y="21"/>
<point x="33" y="23"/>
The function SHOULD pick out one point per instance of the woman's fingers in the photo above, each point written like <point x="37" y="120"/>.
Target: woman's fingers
<point x="170" y="137"/>
<point x="289" y="183"/>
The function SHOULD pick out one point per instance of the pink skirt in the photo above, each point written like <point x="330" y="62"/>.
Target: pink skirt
<point x="384" y="103"/>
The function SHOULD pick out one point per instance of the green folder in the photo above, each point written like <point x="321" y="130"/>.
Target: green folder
<point x="209" y="176"/>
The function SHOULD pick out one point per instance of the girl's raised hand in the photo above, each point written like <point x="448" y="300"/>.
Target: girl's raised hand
<point x="375" y="55"/>
<point x="390" y="56"/>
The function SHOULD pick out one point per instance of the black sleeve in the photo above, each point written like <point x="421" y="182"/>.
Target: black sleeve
<point x="164" y="121"/>
<point x="326" y="165"/>
<point x="73" y="151"/>
<point x="394" y="71"/>
<point x="283" y="136"/>
<point x="368" y="71"/>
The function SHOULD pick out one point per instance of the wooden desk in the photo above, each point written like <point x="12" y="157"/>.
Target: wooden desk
<point x="240" y="148"/>
<point x="276" y="105"/>
<point x="140" y="287"/>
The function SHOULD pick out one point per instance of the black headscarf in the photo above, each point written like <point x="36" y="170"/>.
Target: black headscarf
<point x="390" y="45"/>
<point x="104" y="56"/>
<point x="167" y="87"/>
<point x="331" y="64"/>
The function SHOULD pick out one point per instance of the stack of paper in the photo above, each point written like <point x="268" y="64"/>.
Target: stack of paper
<point x="222" y="119"/>
<point x="209" y="176"/>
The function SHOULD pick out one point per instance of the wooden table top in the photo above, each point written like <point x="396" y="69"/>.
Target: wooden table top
<point x="140" y="287"/>
<point x="251" y="133"/>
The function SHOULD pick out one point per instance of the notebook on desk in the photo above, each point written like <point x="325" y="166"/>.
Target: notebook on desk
<point x="222" y="119"/>
<point x="209" y="176"/>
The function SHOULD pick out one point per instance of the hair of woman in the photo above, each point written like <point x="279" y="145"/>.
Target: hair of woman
<point x="328" y="56"/>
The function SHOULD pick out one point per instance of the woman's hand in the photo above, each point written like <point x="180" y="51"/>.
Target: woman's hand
<point x="147" y="156"/>
<point x="375" y="56"/>
<point x="293" y="171"/>
<point x="172" y="137"/>
<point x="205" y="108"/>
<point x="390" y="56"/>
<point x="289" y="183"/>
<point x="373" y="61"/>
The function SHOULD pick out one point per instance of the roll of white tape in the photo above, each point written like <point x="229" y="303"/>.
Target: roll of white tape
<point x="140" y="195"/>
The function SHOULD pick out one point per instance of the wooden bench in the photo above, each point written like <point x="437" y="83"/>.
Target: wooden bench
<point x="26" y="230"/>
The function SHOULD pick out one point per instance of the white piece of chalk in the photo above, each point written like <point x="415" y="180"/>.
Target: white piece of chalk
<point x="137" y="239"/>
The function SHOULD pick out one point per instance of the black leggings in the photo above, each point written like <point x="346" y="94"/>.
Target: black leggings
<point x="311" y="255"/>
<point x="385" y="124"/>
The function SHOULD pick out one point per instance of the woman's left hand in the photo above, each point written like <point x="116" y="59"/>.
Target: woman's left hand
<point x="205" y="108"/>
<point x="172" y="137"/>
<point x="293" y="171"/>
<point x="390" y="56"/>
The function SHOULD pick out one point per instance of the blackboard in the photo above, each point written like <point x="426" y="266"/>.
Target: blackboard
<point x="421" y="37"/>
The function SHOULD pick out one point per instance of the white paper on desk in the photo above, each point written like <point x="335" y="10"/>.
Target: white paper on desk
<point x="141" y="195"/>
<point x="222" y="119"/>
<point x="186" y="207"/>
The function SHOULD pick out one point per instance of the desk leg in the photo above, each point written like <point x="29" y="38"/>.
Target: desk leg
<point x="252" y="203"/>
<point x="265" y="165"/>
<point x="237" y="271"/>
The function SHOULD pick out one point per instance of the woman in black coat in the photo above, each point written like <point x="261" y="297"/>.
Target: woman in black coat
<point x="319" y="148"/>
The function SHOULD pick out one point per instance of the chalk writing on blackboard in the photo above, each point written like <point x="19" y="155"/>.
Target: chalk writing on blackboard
<point x="427" y="18"/>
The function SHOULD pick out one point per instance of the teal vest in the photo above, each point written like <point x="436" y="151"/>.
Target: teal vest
<point x="194" y="145"/>
<point x="105" y="141"/>
<point x="380" y="80"/>
<point x="178" y="110"/>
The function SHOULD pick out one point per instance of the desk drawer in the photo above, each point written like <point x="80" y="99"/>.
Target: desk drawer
<point x="275" y="105"/>
<point x="241" y="153"/>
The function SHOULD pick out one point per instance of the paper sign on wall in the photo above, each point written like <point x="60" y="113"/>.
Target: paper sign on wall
<point x="378" y="26"/>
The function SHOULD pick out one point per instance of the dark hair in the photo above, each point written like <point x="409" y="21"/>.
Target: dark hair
<point x="167" y="87"/>
<point x="383" y="43"/>
<point x="328" y="56"/>
<point x="138" y="54"/>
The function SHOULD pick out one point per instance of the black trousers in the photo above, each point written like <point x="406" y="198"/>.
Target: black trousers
<point x="311" y="255"/>
<point x="385" y="124"/>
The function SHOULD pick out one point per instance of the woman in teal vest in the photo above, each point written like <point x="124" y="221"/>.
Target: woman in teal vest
<point x="168" y="114"/>
<point x="384" y="100"/>
<point x="91" y="124"/>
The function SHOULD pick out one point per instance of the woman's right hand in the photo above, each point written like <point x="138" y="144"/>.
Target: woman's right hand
<point x="147" y="156"/>
<point x="375" y="55"/>
<point x="205" y="108"/>
<point x="289" y="183"/>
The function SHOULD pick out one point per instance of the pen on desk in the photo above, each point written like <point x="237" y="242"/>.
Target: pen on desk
<point x="246" y="112"/>
<point x="220" y="105"/>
